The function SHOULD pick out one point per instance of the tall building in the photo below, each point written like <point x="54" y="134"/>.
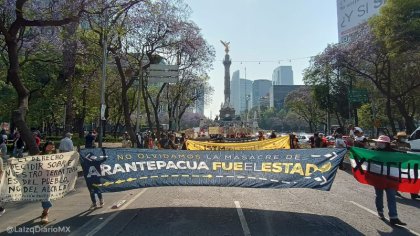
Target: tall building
<point x="235" y="99"/>
<point x="283" y="75"/>
<point x="278" y="94"/>
<point x="245" y="94"/>
<point x="260" y="88"/>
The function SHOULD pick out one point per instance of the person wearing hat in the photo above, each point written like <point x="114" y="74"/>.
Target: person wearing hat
<point x="383" y="144"/>
<point x="400" y="144"/>
<point x="66" y="144"/>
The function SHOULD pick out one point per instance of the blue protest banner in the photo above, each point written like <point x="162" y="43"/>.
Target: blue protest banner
<point x="113" y="170"/>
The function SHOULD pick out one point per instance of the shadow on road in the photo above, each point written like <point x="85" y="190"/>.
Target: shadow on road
<point x="211" y="221"/>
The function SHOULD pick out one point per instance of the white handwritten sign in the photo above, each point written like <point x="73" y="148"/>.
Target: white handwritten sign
<point x="39" y="178"/>
<point x="353" y="13"/>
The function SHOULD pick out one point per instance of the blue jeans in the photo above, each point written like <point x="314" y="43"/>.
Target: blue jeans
<point x="18" y="152"/>
<point x="92" y="195"/>
<point x="3" y="150"/>
<point x="46" y="204"/>
<point x="390" y="197"/>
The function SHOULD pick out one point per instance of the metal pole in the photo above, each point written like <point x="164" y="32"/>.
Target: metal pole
<point x="328" y="107"/>
<point x="138" y="108"/>
<point x="103" y="82"/>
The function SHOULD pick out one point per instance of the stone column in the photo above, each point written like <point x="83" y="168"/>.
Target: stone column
<point x="227" y="62"/>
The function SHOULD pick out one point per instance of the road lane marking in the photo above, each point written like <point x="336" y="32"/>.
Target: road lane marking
<point x="364" y="208"/>
<point x="242" y="219"/>
<point x="376" y="214"/>
<point x="99" y="227"/>
<point x="104" y="211"/>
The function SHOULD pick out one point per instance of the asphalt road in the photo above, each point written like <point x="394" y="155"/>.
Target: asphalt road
<point x="348" y="209"/>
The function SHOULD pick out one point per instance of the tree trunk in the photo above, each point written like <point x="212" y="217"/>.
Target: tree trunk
<point x="81" y="118"/>
<point x="338" y="119"/>
<point x="409" y="120"/>
<point x="389" y="115"/>
<point x="18" y="116"/>
<point x="127" y="118"/>
<point x="124" y="101"/>
<point x="69" y="66"/>
<point x="146" y="103"/>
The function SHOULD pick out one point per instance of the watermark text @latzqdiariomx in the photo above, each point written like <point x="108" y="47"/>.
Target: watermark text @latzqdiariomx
<point x="38" y="229"/>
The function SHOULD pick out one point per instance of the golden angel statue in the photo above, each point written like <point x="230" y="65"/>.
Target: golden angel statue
<point x="226" y="44"/>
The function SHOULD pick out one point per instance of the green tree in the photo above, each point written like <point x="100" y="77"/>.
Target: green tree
<point x="398" y="25"/>
<point x="302" y="102"/>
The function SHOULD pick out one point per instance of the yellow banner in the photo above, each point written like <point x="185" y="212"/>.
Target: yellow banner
<point x="268" y="144"/>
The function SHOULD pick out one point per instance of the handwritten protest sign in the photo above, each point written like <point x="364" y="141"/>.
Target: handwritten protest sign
<point x="39" y="178"/>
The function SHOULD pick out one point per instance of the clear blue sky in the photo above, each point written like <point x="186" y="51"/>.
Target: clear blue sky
<point x="263" y="30"/>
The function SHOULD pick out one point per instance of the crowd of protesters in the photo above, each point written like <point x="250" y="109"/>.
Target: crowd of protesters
<point x="170" y="140"/>
<point x="167" y="140"/>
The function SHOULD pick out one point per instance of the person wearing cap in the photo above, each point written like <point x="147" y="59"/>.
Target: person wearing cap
<point x="66" y="144"/>
<point x="383" y="144"/>
<point x="359" y="139"/>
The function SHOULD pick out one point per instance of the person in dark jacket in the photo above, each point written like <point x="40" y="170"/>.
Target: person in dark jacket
<point x="18" y="145"/>
<point x="95" y="161"/>
<point x="90" y="140"/>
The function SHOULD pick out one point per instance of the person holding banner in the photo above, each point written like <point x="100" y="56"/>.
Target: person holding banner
<point x="90" y="140"/>
<point x="18" y="145"/>
<point x="383" y="144"/>
<point x="49" y="148"/>
<point x="2" y="210"/>
<point x="3" y="144"/>
<point x="93" y="190"/>
<point x="66" y="145"/>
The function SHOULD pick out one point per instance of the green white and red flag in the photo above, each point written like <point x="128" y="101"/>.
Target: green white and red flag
<point x="395" y="170"/>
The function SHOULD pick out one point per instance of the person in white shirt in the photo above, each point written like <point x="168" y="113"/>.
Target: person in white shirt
<point x="66" y="144"/>
<point x="339" y="142"/>
<point x="359" y="139"/>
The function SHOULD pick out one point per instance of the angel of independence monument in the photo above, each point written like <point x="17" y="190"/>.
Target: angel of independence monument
<point x="227" y="112"/>
<point x="232" y="124"/>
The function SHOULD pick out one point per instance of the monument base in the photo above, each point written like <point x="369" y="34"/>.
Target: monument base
<point x="227" y="113"/>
